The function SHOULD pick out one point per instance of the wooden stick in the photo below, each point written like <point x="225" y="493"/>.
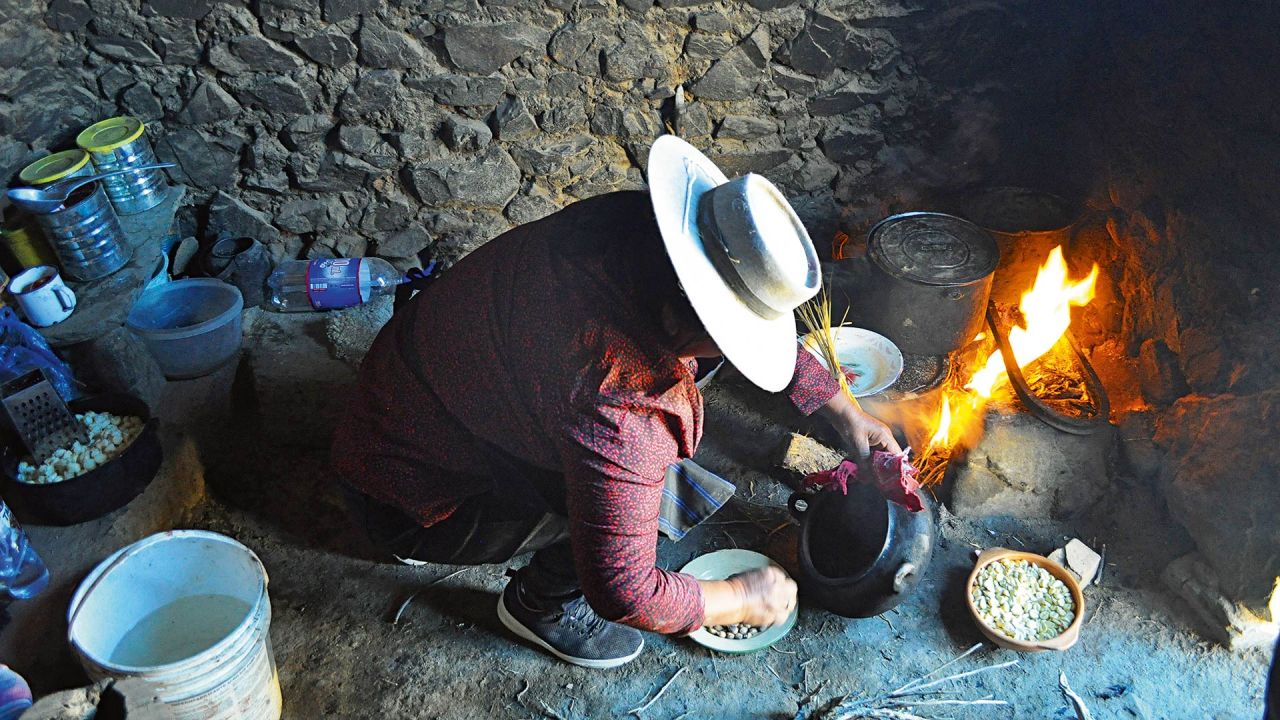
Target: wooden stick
<point x="661" y="690"/>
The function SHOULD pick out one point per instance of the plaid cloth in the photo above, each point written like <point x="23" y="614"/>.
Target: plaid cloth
<point x="691" y="494"/>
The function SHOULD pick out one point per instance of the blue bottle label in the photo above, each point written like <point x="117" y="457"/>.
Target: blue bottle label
<point x="333" y="283"/>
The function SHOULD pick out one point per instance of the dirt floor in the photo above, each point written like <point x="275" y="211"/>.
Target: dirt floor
<point x="256" y="470"/>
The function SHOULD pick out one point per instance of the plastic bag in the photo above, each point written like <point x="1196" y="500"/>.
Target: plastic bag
<point x="22" y="350"/>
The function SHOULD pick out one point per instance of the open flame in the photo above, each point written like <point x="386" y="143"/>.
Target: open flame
<point x="1046" y="310"/>
<point x="943" y="434"/>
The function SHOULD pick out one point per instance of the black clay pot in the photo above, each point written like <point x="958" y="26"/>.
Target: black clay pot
<point x="859" y="553"/>
<point x="107" y="487"/>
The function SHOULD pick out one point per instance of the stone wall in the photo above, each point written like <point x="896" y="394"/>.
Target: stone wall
<point x="389" y="127"/>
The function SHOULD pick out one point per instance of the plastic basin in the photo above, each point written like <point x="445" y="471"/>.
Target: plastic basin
<point x="191" y="327"/>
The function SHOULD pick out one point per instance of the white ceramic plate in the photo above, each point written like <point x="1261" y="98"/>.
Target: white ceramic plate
<point x="719" y="565"/>
<point x="875" y="359"/>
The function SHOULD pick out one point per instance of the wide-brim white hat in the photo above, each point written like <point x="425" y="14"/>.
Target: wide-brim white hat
<point x="744" y="282"/>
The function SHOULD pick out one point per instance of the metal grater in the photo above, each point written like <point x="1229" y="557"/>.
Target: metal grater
<point x="40" y="416"/>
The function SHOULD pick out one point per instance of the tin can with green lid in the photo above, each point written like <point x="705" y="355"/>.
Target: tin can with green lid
<point x="120" y="143"/>
<point x="23" y="244"/>
<point x="59" y="165"/>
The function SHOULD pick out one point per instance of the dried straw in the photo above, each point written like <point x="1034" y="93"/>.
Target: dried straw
<point x="816" y="316"/>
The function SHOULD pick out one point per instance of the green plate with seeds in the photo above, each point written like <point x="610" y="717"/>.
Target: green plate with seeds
<point x="719" y="565"/>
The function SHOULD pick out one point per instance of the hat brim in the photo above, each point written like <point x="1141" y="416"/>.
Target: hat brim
<point x="763" y="350"/>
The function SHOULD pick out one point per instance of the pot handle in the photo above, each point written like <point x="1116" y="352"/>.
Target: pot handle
<point x="900" y="578"/>
<point x="799" y="504"/>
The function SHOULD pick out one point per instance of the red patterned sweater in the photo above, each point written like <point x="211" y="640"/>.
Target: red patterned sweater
<point x="541" y="344"/>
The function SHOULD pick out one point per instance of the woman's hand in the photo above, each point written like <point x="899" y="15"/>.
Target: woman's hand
<point x="761" y="597"/>
<point x="861" y="432"/>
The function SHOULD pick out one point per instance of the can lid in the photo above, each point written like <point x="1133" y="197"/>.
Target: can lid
<point x="933" y="248"/>
<point x="53" y="167"/>
<point x="110" y="134"/>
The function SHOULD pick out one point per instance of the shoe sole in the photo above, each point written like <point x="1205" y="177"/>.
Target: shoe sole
<point x="520" y="630"/>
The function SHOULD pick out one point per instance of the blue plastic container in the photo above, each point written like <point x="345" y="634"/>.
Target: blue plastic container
<point x="191" y="327"/>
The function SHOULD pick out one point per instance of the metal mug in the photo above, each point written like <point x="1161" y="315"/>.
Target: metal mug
<point x="86" y="235"/>
<point x="119" y="143"/>
<point x="44" y="298"/>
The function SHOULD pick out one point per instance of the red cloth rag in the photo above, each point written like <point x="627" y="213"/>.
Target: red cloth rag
<point x="895" y="478"/>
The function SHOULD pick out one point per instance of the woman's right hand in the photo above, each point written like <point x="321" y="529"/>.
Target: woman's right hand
<point x="761" y="597"/>
<point x="768" y="596"/>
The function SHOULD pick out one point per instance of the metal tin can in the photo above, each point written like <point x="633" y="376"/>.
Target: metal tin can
<point x="119" y="143"/>
<point x="86" y="235"/>
<point x="59" y="165"/>
<point x="26" y="248"/>
<point x="929" y="282"/>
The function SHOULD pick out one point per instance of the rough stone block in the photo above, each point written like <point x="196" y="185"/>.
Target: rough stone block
<point x="488" y="48"/>
<point x="233" y="217"/>
<point x="75" y="704"/>
<point x="1023" y="468"/>
<point x="276" y="94"/>
<point x="118" y="361"/>
<point x="68" y="15"/>
<point x="125" y="49"/>
<point x="1137" y="445"/>
<point x="140" y="102"/>
<point x="382" y="46"/>
<point x="746" y="127"/>
<point x="330" y="48"/>
<point x="1221" y="619"/>
<point x="299" y="387"/>
<point x="461" y="133"/>
<point x="461" y="90"/>
<point x="733" y="77"/>
<point x="185" y="9"/>
<point x="209" y="103"/>
<point x="849" y="145"/>
<point x="490" y="180"/>
<point x="852" y="95"/>
<point x="339" y="10"/>
<point x="1220" y="470"/>
<point x="1158" y="371"/>
<point x="512" y="121"/>
<point x="204" y="162"/>
<point x="404" y="243"/>
<point x="264" y="55"/>
<point x="305" y="130"/>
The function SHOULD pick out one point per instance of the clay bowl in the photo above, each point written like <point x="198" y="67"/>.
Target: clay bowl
<point x="1061" y="642"/>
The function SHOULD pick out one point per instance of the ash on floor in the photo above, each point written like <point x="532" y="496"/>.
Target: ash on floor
<point x="340" y="654"/>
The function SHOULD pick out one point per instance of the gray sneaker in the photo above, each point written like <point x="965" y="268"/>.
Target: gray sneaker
<point x="572" y="631"/>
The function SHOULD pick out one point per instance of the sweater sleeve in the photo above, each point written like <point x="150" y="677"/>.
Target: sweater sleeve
<point x="615" y="461"/>
<point x="812" y="386"/>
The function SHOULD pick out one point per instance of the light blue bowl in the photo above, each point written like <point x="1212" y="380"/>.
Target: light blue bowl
<point x="719" y="565"/>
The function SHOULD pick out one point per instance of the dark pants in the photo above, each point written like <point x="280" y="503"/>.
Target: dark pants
<point x="493" y="527"/>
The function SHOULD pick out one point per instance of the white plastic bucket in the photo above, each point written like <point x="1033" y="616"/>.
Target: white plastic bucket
<point x="186" y="611"/>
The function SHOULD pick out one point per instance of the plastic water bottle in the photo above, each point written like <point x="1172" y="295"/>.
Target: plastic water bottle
<point x="304" y="285"/>
<point x="22" y="572"/>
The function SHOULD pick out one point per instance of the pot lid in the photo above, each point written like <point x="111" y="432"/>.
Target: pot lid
<point x="933" y="249"/>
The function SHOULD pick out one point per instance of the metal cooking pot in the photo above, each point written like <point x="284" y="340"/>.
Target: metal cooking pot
<point x="930" y="276"/>
<point x="859" y="553"/>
